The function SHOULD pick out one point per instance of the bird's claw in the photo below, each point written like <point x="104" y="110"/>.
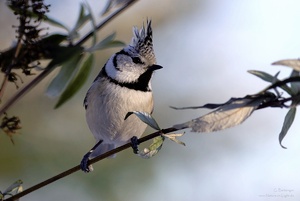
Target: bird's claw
<point x="84" y="164"/>
<point x="134" y="144"/>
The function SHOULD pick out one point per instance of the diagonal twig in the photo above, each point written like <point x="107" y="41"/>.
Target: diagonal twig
<point x="92" y="161"/>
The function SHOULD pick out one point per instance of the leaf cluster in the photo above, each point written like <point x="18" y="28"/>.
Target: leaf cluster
<point x="157" y="143"/>
<point x="30" y="14"/>
<point x="237" y="110"/>
<point x="65" y="51"/>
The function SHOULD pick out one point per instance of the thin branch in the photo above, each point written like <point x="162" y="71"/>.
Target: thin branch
<point x="108" y="19"/>
<point x="281" y="83"/>
<point x="94" y="160"/>
<point x="42" y="75"/>
<point x="24" y="90"/>
<point x="3" y="86"/>
<point x="8" y="70"/>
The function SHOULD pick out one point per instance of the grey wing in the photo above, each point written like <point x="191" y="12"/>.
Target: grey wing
<point x="85" y="101"/>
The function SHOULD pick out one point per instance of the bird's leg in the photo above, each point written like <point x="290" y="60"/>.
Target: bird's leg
<point x="134" y="144"/>
<point x="85" y="160"/>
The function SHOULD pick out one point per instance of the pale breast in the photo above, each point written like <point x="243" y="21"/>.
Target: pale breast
<point x="107" y="107"/>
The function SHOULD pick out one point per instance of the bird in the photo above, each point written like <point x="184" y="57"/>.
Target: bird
<point x="122" y="86"/>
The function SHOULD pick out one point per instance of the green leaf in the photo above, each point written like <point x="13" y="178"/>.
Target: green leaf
<point x="111" y="4"/>
<point x="282" y="83"/>
<point x="56" y="23"/>
<point x="110" y="44"/>
<point x="50" y="43"/>
<point x="53" y="39"/>
<point x="107" y="42"/>
<point x="62" y="54"/>
<point x="93" y="21"/>
<point x="153" y="148"/>
<point x="144" y="117"/>
<point x="270" y="78"/>
<point x="67" y="71"/>
<point x="77" y="82"/>
<point x="288" y="121"/>
<point x="16" y="186"/>
<point x="295" y="86"/>
<point x="157" y="142"/>
<point x="263" y="75"/>
<point x="82" y="19"/>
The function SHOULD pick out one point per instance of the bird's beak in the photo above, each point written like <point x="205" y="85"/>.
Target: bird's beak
<point x="155" y="67"/>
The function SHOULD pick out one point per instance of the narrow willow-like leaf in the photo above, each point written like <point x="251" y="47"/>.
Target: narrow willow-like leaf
<point x="54" y="39"/>
<point x="16" y="186"/>
<point x="67" y="71"/>
<point x="144" y="117"/>
<point x="63" y="54"/>
<point x="107" y="42"/>
<point x="82" y="19"/>
<point x="288" y="121"/>
<point x="295" y="86"/>
<point x="77" y="82"/>
<point x="113" y="4"/>
<point x="282" y="83"/>
<point x="263" y="75"/>
<point x="93" y="21"/>
<point x="51" y="42"/>
<point x="56" y="23"/>
<point x="109" y="5"/>
<point x="270" y="78"/>
<point x="173" y="137"/>
<point x="231" y="114"/>
<point x="110" y="44"/>
<point x="153" y="148"/>
<point x="293" y="63"/>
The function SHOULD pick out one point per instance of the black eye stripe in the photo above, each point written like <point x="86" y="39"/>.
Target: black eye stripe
<point x="123" y="52"/>
<point x="137" y="60"/>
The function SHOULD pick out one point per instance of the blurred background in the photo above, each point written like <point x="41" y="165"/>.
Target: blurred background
<point x="206" y="48"/>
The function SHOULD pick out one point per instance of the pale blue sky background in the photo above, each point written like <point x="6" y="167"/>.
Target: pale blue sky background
<point x="206" y="48"/>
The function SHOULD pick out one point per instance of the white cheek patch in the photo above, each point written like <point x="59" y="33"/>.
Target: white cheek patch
<point x="110" y="69"/>
<point x="124" y="74"/>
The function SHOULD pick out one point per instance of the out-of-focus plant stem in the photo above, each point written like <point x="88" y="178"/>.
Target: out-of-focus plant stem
<point x="47" y="70"/>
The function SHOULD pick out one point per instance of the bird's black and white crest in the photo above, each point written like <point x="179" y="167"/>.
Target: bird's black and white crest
<point x="142" y="41"/>
<point x="133" y="66"/>
<point x="134" y="62"/>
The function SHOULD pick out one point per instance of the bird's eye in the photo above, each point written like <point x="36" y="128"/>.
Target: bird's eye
<point x="137" y="60"/>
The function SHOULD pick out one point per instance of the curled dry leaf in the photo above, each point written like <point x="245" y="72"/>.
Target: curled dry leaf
<point x="153" y="148"/>
<point x="232" y="113"/>
<point x="293" y="63"/>
<point x="172" y="136"/>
